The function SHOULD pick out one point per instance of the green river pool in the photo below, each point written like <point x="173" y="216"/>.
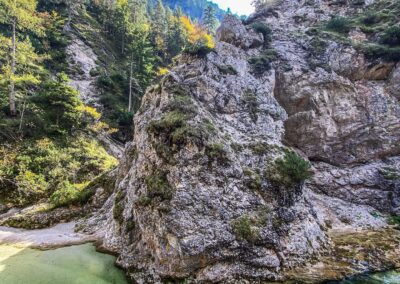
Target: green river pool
<point x="81" y="264"/>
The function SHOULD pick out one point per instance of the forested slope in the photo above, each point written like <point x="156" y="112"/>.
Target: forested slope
<point x="72" y="76"/>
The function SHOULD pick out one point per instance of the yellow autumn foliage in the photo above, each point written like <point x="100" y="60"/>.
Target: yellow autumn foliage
<point x="197" y="35"/>
<point x="162" y="71"/>
<point x="89" y="111"/>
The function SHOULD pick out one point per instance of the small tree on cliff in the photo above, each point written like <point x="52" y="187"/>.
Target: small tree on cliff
<point x="210" y="20"/>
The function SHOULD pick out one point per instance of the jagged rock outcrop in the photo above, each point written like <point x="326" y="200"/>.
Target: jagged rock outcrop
<point x="234" y="32"/>
<point x="193" y="196"/>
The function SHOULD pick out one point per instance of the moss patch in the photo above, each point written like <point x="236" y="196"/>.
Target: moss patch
<point x="253" y="180"/>
<point x="217" y="152"/>
<point x="158" y="186"/>
<point x="243" y="229"/>
<point x="251" y="103"/>
<point x="227" y="69"/>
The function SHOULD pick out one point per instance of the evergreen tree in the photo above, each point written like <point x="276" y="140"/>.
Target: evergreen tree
<point x="142" y="62"/>
<point x="59" y="106"/>
<point x="139" y="11"/>
<point x="210" y="21"/>
<point x="19" y="16"/>
<point x="176" y="34"/>
<point x="27" y="74"/>
<point x="159" y="28"/>
<point x="72" y="6"/>
<point x="122" y="21"/>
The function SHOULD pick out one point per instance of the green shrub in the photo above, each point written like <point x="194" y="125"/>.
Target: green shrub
<point x="125" y="118"/>
<point x="37" y="168"/>
<point x="181" y="109"/>
<point x="68" y="194"/>
<point x="290" y="170"/>
<point x="94" y="72"/>
<point x="339" y="25"/>
<point x="118" y="212"/>
<point x="243" y="229"/>
<point x="261" y="27"/>
<point x="390" y="173"/>
<point x="318" y="46"/>
<point x="182" y="103"/>
<point x="253" y="180"/>
<point x="173" y="130"/>
<point x="59" y="106"/>
<point x="217" y="152"/>
<point x="371" y="18"/>
<point x="198" y="50"/>
<point x="227" y="69"/>
<point x="376" y="51"/>
<point x="33" y="186"/>
<point x="158" y="186"/>
<point x="118" y="209"/>
<point x="236" y="147"/>
<point x="144" y="200"/>
<point x="260" y="148"/>
<point x="357" y="2"/>
<point x="394" y="220"/>
<point x="391" y="36"/>
<point x="209" y="126"/>
<point x="168" y="123"/>
<point x="251" y="102"/>
<point x="262" y="63"/>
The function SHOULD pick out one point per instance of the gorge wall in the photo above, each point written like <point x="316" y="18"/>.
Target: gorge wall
<point x="193" y="197"/>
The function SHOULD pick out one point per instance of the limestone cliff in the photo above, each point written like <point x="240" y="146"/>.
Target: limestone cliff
<point x="194" y="198"/>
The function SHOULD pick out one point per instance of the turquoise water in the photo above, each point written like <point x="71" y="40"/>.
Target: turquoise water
<point x="390" y="277"/>
<point x="83" y="265"/>
<point x="69" y="265"/>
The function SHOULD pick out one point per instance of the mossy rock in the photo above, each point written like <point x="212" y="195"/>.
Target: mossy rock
<point x="216" y="152"/>
<point x="251" y="102"/>
<point x="244" y="230"/>
<point x="227" y="69"/>
<point x="253" y="180"/>
<point x="158" y="186"/>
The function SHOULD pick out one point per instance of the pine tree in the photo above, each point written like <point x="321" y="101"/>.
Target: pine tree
<point x="176" y="34"/>
<point x="19" y="16"/>
<point x="210" y="21"/>
<point x="139" y="11"/>
<point x="159" y="28"/>
<point x="122" y="21"/>
<point x="72" y="6"/>
<point x="142" y="62"/>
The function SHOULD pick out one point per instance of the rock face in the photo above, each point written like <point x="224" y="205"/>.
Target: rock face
<point x="193" y="198"/>
<point x="234" y="32"/>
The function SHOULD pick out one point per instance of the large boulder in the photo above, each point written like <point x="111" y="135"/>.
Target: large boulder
<point x="234" y="32"/>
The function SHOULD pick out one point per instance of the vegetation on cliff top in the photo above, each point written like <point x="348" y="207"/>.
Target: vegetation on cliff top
<point x="380" y="22"/>
<point x="46" y="132"/>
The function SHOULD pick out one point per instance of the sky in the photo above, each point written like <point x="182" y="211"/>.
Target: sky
<point x="240" y="7"/>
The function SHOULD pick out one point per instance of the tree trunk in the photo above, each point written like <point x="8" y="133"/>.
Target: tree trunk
<point x="13" y="110"/>
<point x="22" y="116"/>
<point x="130" y="86"/>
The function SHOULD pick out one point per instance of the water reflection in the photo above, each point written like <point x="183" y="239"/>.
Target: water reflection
<point x="69" y="265"/>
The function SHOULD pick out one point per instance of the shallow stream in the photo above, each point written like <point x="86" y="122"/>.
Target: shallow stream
<point x="389" y="277"/>
<point x="79" y="264"/>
